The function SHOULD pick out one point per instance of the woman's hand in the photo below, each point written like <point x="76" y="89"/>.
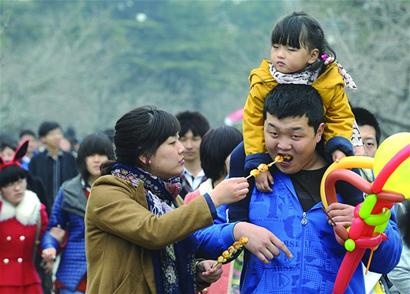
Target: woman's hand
<point x="261" y="242"/>
<point x="229" y="191"/>
<point x="341" y="214"/>
<point x="209" y="271"/>
<point x="58" y="233"/>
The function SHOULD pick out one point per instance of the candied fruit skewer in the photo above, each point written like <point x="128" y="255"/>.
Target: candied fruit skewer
<point x="227" y="254"/>
<point x="265" y="167"/>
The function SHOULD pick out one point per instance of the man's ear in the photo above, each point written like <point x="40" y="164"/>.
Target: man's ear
<point x="319" y="132"/>
<point x="314" y="55"/>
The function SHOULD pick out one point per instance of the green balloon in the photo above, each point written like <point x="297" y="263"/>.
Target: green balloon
<point x="367" y="206"/>
<point x="350" y="245"/>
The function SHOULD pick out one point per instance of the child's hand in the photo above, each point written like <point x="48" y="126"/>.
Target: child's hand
<point x="209" y="271"/>
<point x="49" y="256"/>
<point x="341" y="214"/>
<point x="337" y="155"/>
<point x="264" y="182"/>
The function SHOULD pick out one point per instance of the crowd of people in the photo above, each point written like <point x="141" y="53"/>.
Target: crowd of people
<point x="150" y="205"/>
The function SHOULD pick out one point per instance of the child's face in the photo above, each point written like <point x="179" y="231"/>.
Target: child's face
<point x="14" y="192"/>
<point x="288" y="59"/>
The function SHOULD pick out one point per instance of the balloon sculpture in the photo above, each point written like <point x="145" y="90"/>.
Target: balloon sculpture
<point x="391" y="166"/>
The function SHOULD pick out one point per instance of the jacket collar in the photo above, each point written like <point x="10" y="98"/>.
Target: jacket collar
<point x="74" y="199"/>
<point x="26" y="212"/>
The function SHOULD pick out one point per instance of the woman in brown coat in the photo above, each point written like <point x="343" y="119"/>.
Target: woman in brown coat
<point x="138" y="233"/>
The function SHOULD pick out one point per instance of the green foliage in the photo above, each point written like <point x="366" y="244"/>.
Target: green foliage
<point x="84" y="63"/>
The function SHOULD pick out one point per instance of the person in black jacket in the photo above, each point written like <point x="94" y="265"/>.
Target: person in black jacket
<point x="53" y="166"/>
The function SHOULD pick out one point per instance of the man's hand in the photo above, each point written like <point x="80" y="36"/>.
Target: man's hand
<point x="261" y="242"/>
<point x="341" y="214"/>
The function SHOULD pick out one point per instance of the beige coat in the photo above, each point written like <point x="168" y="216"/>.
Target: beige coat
<point x="120" y="229"/>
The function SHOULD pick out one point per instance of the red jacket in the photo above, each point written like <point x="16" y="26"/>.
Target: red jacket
<point x="19" y="226"/>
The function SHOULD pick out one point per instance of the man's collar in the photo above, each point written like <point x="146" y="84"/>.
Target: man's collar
<point x="59" y="153"/>
<point x="200" y="174"/>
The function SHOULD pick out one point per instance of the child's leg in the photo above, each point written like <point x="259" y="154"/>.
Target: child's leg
<point x="239" y="211"/>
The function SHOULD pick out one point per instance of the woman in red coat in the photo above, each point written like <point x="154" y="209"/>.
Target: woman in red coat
<point x="23" y="219"/>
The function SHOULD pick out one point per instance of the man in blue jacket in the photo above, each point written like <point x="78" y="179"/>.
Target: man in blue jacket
<point x="293" y="210"/>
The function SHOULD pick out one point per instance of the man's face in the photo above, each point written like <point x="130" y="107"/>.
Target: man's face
<point x="53" y="138"/>
<point x="368" y="134"/>
<point x="191" y="144"/>
<point x="292" y="136"/>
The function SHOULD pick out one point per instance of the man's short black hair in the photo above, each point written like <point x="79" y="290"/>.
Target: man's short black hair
<point x="46" y="127"/>
<point x="292" y="100"/>
<point x="365" y="117"/>
<point x="194" y="121"/>
<point x="25" y="132"/>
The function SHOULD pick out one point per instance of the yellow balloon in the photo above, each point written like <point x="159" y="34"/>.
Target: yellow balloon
<point x="348" y="162"/>
<point x="399" y="180"/>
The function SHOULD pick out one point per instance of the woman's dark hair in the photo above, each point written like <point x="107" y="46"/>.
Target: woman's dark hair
<point x="93" y="144"/>
<point x="140" y="132"/>
<point x="216" y="145"/>
<point x="11" y="174"/>
<point x="302" y="30"/>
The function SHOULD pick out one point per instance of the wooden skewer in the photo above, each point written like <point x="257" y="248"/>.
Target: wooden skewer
<point x="370" y="260"/>
<point x="278" y="158"/>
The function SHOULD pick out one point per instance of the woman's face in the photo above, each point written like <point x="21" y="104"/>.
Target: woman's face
<point x="93" y="163"/>
<point x="168" y="159"/>
<point x="14" y="192"/>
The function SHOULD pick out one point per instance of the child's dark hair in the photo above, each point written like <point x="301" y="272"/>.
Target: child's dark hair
<point x="302" y="30"/>
<point x="11" y="174"/>
<point x="194" y="121"/>
<point x="140" y="132"/>
<point x="292" y="100"/>
<point x="6" y="141"/>
<point x="93" y="144"/>
<point x="365" y="117"/>
<point x="216" y="145"/>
